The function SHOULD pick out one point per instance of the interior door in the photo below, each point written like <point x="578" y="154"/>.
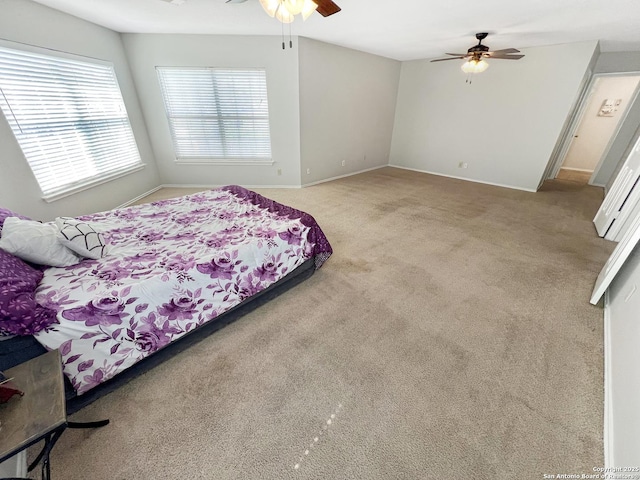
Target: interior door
<point x="616" y="260"/>
<point x="620" y="191"/>
<point x="581" y="153"/>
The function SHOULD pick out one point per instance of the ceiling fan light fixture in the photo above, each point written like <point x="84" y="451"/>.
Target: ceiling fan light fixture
<point x="294" y="7"/>
<point x="270" y="6"/>
<point x="286" y="10"/>
<point x="283" y="14"/>
<point x="309" y="7"/>
<point x="474" y="66"/>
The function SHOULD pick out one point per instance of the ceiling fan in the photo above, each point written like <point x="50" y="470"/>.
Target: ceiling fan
<point x="323" y="7"/>
<point x="475" y="56"/>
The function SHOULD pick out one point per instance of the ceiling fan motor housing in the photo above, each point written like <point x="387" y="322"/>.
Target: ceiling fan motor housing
<point x="476" y="53"/>
<point x="478" y="50"/>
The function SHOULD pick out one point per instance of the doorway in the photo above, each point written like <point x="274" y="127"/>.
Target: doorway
<point x="609" y="162"/>
<point x="605" y="106"/>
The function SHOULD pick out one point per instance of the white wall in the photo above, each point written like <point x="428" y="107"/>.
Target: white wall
<point x="504" y="125"/>
<point x="615" y="62"/>
<point x="347" y="107"/>
<point x="28" y="22"/>
<point x="146" y="51"/>
<point x="594" y="131"/>
<point x="622" y="322"/>
<point x="623" y="361"/>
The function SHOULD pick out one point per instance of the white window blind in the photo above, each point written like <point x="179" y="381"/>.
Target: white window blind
<point x="69" y="119"/>
<point x="217" y="114"/>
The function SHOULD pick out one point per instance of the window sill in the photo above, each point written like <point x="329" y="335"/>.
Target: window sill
<point x="86" y="185"/>
<point x="228" y="162"/>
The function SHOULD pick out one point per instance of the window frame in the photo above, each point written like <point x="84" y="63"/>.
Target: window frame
<point x="215" y="160"/>
<point x="70" y="188"/>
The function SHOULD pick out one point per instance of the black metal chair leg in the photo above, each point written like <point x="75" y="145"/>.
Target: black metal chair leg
<point x="51" y="439"/>
<point x="46" y="468"/>
<point x="97" y="424"/>
<point x="33" y="464"/>
<point x="49" y="442"/>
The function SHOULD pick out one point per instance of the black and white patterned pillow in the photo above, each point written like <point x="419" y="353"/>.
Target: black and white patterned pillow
<point x="81" y="237"/>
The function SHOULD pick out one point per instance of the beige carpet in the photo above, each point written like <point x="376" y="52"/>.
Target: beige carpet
<point x="449" y="337"/>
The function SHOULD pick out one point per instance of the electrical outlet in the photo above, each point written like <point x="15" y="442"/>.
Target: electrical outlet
<point x="463" y="165"/>
<point x="308" y="171"/>
<point x="279" y="171"/>
<point x="344" y="162"/>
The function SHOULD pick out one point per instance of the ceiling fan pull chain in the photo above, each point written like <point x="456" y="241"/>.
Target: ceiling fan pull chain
<point x="282" y="30"/>
<point x="290" y="40"/>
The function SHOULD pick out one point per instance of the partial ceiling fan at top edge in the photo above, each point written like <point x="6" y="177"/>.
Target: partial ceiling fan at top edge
<point x="325" y="7"/>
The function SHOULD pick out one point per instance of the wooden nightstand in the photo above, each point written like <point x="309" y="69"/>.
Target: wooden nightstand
<point x="38" y="415"/>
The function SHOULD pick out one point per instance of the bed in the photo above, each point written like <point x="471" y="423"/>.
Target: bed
<point x="172" y="272"/>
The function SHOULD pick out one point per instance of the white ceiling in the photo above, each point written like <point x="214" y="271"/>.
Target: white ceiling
<point x="399" y="29"/>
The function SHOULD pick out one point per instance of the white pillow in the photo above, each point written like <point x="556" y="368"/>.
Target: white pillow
<point x="35" y="242"/>
<point x="81" y="237"/>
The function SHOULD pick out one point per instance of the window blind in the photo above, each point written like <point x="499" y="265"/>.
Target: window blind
<point x="69" y="119"/>
<point x="217" y="114"/>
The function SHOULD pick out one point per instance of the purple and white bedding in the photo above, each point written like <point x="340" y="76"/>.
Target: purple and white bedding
<point x="173" y="265"/>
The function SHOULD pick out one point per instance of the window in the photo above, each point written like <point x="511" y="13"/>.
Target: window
<point x="217" y="115"/>
<point x="69" y="119"/>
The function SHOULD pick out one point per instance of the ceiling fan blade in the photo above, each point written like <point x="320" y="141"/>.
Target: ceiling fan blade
<point x="457" y="54"/>
<point x="504" y="50"/>
<point x="327" y="7"/>
<point x="506" y="57"/>
<point x="443" y="59"/>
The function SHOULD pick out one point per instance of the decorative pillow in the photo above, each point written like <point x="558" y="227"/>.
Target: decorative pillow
<point x="81" y="237"/>
<point x="20" y="314"/>
<point x="35" y="242"/>
<point x="6" y="213"/>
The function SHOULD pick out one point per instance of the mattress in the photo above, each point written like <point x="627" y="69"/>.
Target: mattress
<point x="173" y="266"/>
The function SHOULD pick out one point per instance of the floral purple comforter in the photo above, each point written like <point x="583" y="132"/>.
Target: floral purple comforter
<point x="173" y="265"/>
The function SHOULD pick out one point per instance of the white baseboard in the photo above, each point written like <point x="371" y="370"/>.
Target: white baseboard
<point x="188" y="185"/>
<point x="209" y="186"/>
<point x="466" y="178"/>
<point x="139" y="197"/>
<point x="608" y="391"/>
<point x="345" y="175"/>
<point x="178" y="185"/>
